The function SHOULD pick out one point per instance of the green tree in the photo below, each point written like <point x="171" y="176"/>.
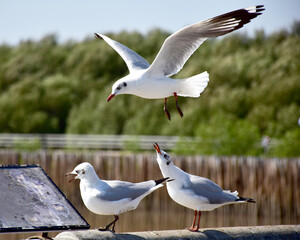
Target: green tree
<point x="52" y="87"/>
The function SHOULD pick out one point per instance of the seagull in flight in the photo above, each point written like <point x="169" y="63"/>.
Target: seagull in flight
<point x="194" y="192"/>
<point x="153" y="81"/>
<point x="111" y="197"/>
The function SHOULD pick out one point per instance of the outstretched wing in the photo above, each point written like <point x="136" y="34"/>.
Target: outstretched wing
<point x="133" y="60"/>
<point x="178" y="47"/>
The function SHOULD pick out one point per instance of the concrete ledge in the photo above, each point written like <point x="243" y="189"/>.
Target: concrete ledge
<point x="254" y="232"/>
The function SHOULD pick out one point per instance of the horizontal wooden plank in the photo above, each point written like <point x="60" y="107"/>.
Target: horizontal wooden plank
<point x="62" y="141"/>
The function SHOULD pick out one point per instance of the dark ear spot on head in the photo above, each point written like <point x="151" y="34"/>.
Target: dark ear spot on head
<point x="125" y="84"/>
<point x="168" y="163"/>
<point x="83" y="172"/>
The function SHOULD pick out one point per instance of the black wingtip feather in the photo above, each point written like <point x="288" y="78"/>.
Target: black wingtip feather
<point x="241" y="199"/>
<point x="244" y="15"/>
<point x="258" y="7"/>
<point x="98" y="36"/>
<point x="163" y="180"/>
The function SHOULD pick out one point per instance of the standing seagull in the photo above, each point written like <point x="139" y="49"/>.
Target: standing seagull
<point x="152" y="81"/>
<point x="197" y="193"/>
<point x="110" y="197"/>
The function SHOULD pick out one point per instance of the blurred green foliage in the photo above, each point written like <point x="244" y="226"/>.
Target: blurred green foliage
<point x="254" y="90"/>
<point x="27" y="145"/>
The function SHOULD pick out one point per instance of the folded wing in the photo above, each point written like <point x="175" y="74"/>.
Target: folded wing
<point x="119" y="190"/>
<point x="210" y="190"/>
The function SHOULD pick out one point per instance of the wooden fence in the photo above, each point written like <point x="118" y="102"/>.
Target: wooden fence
<point x="86" y="141"/>
<point x="273" y="183"/>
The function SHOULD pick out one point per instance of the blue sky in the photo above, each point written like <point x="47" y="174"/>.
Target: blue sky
<point x="78" y="19"/>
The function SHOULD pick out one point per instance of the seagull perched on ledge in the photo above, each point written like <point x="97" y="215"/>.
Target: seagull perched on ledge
<point x="111" y="197"/>
<point x="194" y="192"/>
<point x="153" y="81"/>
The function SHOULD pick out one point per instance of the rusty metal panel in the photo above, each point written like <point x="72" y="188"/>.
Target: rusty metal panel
<point x="30" y="201"/>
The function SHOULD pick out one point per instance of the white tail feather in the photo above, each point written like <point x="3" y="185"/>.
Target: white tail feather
<point x="194" y="86"/>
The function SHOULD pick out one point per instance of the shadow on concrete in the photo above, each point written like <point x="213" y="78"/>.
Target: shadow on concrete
<point x="128" y="236"/>
<point x="206" y="234"/>
<point x="214" y="234"/>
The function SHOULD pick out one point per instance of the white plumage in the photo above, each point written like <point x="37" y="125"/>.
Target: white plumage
<point x="153" y="81"/>
<point x="194" y="192"/>
<point x="110" y="197"/>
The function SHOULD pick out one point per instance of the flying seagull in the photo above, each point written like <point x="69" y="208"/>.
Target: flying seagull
<point x="194" y="192"/>
<point x="111" y="197"/>
<point x="153" y="81"/>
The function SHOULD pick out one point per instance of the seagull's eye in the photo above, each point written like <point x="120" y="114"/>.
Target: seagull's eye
<point x="77" y="171"/>
<point x="119" y="87"/>
<point x="125" y="84"/>
<point x="165" y="156"/>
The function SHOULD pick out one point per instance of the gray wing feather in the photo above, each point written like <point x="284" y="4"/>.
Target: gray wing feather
<point x="118" y="190"/>
<point x="210" y="190"/>
<point x="133" y="60"/>
<point x="178" y="47"/>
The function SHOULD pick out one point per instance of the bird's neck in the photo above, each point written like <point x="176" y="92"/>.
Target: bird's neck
<point x="170" y="170"/>
<point x="90" y="181"/>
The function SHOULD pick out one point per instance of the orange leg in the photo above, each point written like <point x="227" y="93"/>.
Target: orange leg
<point x="198" y="223"/>
<point x="195" y="228"/>
<point x="166" y="110"/>
<point x="177" y="106"/>
<point x="113" y="223"/>
<point x="194" y="222"/>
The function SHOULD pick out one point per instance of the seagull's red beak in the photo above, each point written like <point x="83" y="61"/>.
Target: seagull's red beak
<point x="110" y="97"/>
<point x="157" y="148"/>
<point x="70" y="173"/>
